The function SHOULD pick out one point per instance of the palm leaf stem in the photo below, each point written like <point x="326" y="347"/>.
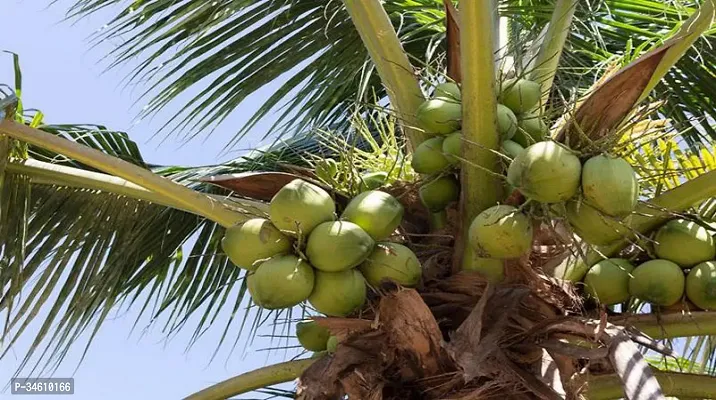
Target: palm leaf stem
<point x="391" y="61"/>
<point x="52" y="174"/>
<point x="252" y="380"/>
<point x="220" y="212"/>
<point x="680" y="385"/>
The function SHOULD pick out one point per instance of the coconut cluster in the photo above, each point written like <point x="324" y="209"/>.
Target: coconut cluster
<point x="302" y="252"/>
<point x="685" y="264"/>
<point x="440" y="116"/>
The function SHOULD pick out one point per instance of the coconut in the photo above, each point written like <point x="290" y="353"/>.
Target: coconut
<point x="452" y="147"/>
<point x="299" y="207"/>
<point x="531" y="129"/>
<point x="684" y="242"/>
<point x="281" y="282"/>
<point x="520" y="95"/>
<point x="332" y="344"/>
<point x="312" y="336"/>
<point x="392" y="261"/>
<point x="701" y="285"/>
<point x="546" y="172"/>
<point x="594" y="227"/>
<point x="511" y="149"/>
<point x="439" y="116"/>
<point x="501" y="231"/>
<point x="338" y="294"/>
<point x="506" y="122"/>
<point x="493" y="269"/>
<point x="254" y="240"/>
<point x="608" y="281"/>
<point x="447" y="90"/>
<point x="373" y="180"/>
<point x="377" y="213"/>
<point x="660" y="282"/>
<point x="338" y="245"/>
<point x="436" y="194"/>
<point x="610" y="185"/>
<point x="428" y="157"/>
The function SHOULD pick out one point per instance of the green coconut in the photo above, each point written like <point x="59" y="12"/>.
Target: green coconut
<point x="254" y="240"/>
<point x="685" y="243"/>
<point x="531" y="129"/>
<point x="326" y="169"/>
<point x="520" y="95"/>
<point x="452" y="147"/>
<point x="594" y="227"/>
<point x="439" y="116"/>
<point x="312" y="336"/>
<point x="511" y="149"/>
<point x="338" y="294"/>
<point x="392" y="261"/>
<point x="332" y="344"/>
<point x="608" y="281"/>
<point x="436" y="194"/>
<point x="660" y="282"/>
<point x="373" y="180"/>
<point x="377" y="213"/>
<point x="281" y="282"/>
<point x="428" y="157"/>
<point x="299" y="207"/>
<point x="506" y="122"/>
<point x="546" y="172"/>
<point x="701" y="285"/>
<point x="493" y="269"/>
<point x="447" y="90"/>
<point x="338" y="245"/>
<point x="501" y="231"/>
<point x="610" y="185"/>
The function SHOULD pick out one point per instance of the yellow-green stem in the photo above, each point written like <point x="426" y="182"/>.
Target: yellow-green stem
<point x="59" y="175"/>
<point x="391" y="62"/>
<point x="256" y="379"/>
<point x="679" y="385"/>
<point x="547" y="61"/>
<point x="481" y="189"/>
<point x="182" y="196"/>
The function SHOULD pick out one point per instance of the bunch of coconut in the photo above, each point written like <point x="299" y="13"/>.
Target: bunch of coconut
<point x="440" y="116"/>
<point x="302" y="252"/>
<point x="685" y="264"/>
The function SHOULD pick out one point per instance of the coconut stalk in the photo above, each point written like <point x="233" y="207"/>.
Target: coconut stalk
<point x="173" y="193"/>
<point x="41" y="172"/>
<point x="481" y="186"/>
<point x="380" y="39"/>
<point x="256" y="379"/>
<point x="547" y="61"/>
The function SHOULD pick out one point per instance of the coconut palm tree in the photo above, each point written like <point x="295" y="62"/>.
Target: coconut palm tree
<point x="132" y="243"/>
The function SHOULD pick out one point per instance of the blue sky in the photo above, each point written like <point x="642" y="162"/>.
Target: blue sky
<point x="66" y="80"/>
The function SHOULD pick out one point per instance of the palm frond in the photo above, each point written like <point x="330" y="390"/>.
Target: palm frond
<point x="223" y="52"/>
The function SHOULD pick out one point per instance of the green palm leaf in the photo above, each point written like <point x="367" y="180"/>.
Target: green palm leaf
<point x="225" y="51"/>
